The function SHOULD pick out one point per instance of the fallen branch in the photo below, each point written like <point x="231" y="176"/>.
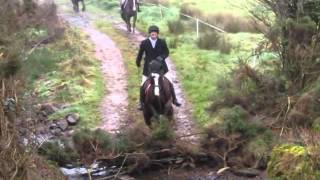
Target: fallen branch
<point x="188" y="135"/>
<point x="125" y="158"/>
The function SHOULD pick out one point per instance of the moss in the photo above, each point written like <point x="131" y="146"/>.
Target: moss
<point x="291" y="162"/>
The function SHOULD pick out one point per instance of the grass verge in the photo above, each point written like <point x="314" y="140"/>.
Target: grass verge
<point x="64" y="72"/>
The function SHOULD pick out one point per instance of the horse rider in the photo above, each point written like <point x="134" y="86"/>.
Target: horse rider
<point x="154" y="49"/>
<point x="124" y="2"/>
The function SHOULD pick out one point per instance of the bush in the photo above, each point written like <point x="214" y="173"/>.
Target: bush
<point x="175" y="26"/>
<point x="232" y="23"/>
<point x="191" y="10"/>
<point x="235" y="121"/>
<point x="213" y="40"/>
<point x="58" y="152"/>
<point x="291" y="162"/>
<point x="162" y="130"/>
<point x="172" y="42"/>
<point x="86" y="141"/>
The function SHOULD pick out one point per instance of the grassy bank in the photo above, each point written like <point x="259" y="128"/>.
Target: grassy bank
<point x="64" y="72"/>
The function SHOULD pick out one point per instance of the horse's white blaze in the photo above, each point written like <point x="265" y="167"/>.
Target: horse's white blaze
<point x="156" y="84"/>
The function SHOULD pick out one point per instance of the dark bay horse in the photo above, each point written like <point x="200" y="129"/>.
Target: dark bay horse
<point x="75" y="4"/>
<point x="157" y="99"/>
<point x="129" y="9"/>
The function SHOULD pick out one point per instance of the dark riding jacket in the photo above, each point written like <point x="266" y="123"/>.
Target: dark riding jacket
<point x="161" y="49"/>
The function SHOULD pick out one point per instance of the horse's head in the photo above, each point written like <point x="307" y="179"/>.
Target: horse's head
<point x="155" y="77"/>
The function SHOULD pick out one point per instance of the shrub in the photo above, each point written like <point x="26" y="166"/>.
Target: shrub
<point x="291" y="162"/>
<point x="86" y="141"/>
<point x="213" y="40"/>
<point x="191" y="10"/>
<point x="172" y="42"/>
<point x="235" y="121"/>
<point x="162" y="130"/>
<point x="58" y="152"/>
<point x="232" y="23"/>
<point x="175" y="26"/>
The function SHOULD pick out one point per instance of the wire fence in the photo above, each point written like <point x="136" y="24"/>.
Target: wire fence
<point x="197" y="20"/>
<point x="199" y="23"/>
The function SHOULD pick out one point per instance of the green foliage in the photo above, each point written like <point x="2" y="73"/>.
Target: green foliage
<point x="88" y="141"/>
<point x="106" y="4"/>
<point x="162" y="131"/>
<point x="190" y="9"/>
<point x="175" y="26"/>
<point x="291" y="162"/>
<point x="58" y="152"/>
<point x="214" y="40"/>
<point x="122" y="143"/>
<point x="316" y="124"/>
<point x="235" y="121"/>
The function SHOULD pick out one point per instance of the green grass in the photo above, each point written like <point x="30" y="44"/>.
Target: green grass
<point x="64" y="72"/>
<point x="199" y="70"/>
<point x="217" y="6"/>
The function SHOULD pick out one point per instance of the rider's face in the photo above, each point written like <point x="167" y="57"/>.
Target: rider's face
<point x="154" y="35"/>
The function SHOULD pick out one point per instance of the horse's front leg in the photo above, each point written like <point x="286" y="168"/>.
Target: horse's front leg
<point x="129" y="24"/>
<point x="83" y="5"/>
<point x="134" y="23"/>
<point x="147" y="117"/>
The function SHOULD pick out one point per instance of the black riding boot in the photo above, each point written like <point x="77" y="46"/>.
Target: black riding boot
<point x="138" y="7"/>
<point x="175" y="101"/>
<point x="141" y="99"/>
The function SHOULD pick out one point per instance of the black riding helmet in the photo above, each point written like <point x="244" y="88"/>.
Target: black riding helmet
<point x="153" y="28"/>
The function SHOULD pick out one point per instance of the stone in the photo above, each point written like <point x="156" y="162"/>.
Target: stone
<point x="56" y="131"/>
<point x="62" y="124"/>
<point x="48" y="108"/>
<point x="73" y="118"/>
<point x="53" y="126"/>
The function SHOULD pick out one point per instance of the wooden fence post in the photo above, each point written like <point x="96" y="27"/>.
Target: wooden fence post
<point x="197" y="20"/>
<point x="161" y="14"/>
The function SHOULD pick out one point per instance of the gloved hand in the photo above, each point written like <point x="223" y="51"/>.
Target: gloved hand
<point x="160" y="58"/>
<point x="138" y="64"/>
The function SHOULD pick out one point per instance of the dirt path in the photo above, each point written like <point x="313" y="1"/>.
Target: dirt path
<point x="114" y="105"/>
<point x="184" y="123"/>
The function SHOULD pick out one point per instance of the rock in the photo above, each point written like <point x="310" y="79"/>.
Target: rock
<point x="48" y="108"/>
<point x="73" y="119"/>
<point x="53" y="126"/>
<point x="56" y="131"/>
<point x="42" y="118"/>
<point x="62" y="124"/>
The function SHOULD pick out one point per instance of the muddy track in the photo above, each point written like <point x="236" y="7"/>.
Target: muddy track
<point x="114" y="106"/>
<point x="115" y="103"/>
<point x="185" y="125"/>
